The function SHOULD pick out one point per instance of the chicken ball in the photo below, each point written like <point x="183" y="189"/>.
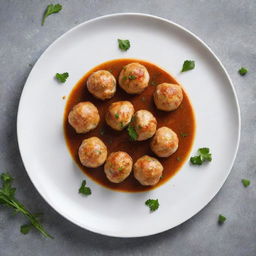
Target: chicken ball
<point x="102" y="84"/>
<point x="118" y="166"/>
<point x="84" y="117"/>
<point x="119" y="114"/>
<point x="168" y="97"/>
<point x="92" y="152"/>
<point x="165" y="142"/>
<point x="144" y="125"/>
<point x="134" y="78"/>
<point x="148" y="170"/>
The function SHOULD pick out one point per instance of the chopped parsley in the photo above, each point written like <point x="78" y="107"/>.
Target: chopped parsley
<point x="7" y="198"/>
<point x="153" y="204"/>
<point x="242" y="71"/>
<point x="120" y="169"/>
<point x="62" y="77"/>
<point x="121" y="124"/>
<point x="116" y="116"/>
<point x="153" y="83"/>
<point x="124" y="78"/>
<point x="84" y="190"/>
<point x="102" y="131"/>
<point x="143" y="99"/>
<point x="246" y="183"/>
<point x="50" y="9"/>
<point x="132" y="132"/>
<point x="132" y="77"/>
<point x="221" y="219"/>
<point x="183" y="134"/>
<point x="203" y="155"/>
<point x="124" y="45"/>
<point x="178" y="159"/>
<point x="188" y="65"/>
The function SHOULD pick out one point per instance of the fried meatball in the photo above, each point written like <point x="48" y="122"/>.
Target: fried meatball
<point x="102" y="84"/>
<point x="119" y="114"/>
<point x="144" y="124"/>
<point x="84" y="117"/>
<point x="92" y="152"/>
<point x="148" y="170"/>
<point x="168" y="97"/>
<point x="134" y="78"/>
<point x="118" y="166"/>
<point x="165" y="142"/>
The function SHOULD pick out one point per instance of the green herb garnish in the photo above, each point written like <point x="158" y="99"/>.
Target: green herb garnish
<point x="246" y="183"/>
<point x="183" y="134"/>
<point x="178" y="159"/>
<point x="124" y="45"/>
<point x="132" y="132"/>
<point x="62" y="77"/>
<point x="124" y="78"/>
<point x="51" y="8"/>
<point x="153" y="204"/>
<point x="84" y="190"/>
<point x="120" y="169"/>
<point x="7" y="198"/>
<point x="132" y="77"/>
<point x="203" y="155"/>
<point x="153" y="83"/>
<point x="221" y="219"/>
<point x="188" y="65"/>
<point x="116" y="116"/>
<point x="242" y="71"/>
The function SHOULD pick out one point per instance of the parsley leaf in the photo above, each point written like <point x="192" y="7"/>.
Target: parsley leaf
<point x="132" y="77"/>
<point x="242" y="71"/>
<point x="246" y="183"/>
<point x="50" y="10"/>
<point x="62" y="77"/>
<point x="188" y="65"/>
<point x="7" y="198"/>
<point x="84" y="190"/>
<point x="183" y="134"/>
<point x="132" y="132"/>
<point x="204" y="155"/>
<point x="116" y="116"/>
<point x="221" y="219"/>
<point x="153" y="204"/>
<point x="124" y="45"/>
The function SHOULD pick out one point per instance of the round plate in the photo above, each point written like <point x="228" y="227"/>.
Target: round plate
<point x="46" y="156"/>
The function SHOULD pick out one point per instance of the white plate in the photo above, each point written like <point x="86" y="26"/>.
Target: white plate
<point x="40" y="124"/>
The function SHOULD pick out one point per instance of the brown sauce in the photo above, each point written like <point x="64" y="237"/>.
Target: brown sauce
<point x="182" y="121"/>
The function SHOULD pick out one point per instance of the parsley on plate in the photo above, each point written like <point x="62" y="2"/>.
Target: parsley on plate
<point x="124" y="45"/>
<point x="188" y="65"/>
<point x="153" y="204"/>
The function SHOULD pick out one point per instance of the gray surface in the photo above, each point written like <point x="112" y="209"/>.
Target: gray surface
<point x="228" y="27"/>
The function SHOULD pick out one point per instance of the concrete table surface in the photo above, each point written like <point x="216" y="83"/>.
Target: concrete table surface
<point x="228" y="27"/>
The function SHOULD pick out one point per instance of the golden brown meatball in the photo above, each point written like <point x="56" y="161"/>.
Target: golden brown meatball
<point x="134" y="78"/>
<point x="92" y="152"/>
<point x="84" y="117"/>
<point x="119" y="114"/>
<point x="148" y="170"/>
<point x="165" y="142"/>
<point x="118" y="166"/>
<point x="102" y="84"/>
<point x="144" y="124"/>
<point x="168" y="97"/>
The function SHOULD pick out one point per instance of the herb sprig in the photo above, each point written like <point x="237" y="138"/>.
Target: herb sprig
<point x="124" y="45"/>
<point x="62" y="77"/>
<point x="7" y="198"/>
<point x="153" y="204"/>
<point x="188" y="65"/>
<point x="50" y="9"/>
<point x="203" y="156"/>
<point x="84" y="190"/>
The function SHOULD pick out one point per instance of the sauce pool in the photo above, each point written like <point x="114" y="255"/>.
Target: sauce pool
<point x="182" y="121"/>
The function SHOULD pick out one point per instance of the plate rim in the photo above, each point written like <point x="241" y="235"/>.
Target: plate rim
<point x="169" y="22"/>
